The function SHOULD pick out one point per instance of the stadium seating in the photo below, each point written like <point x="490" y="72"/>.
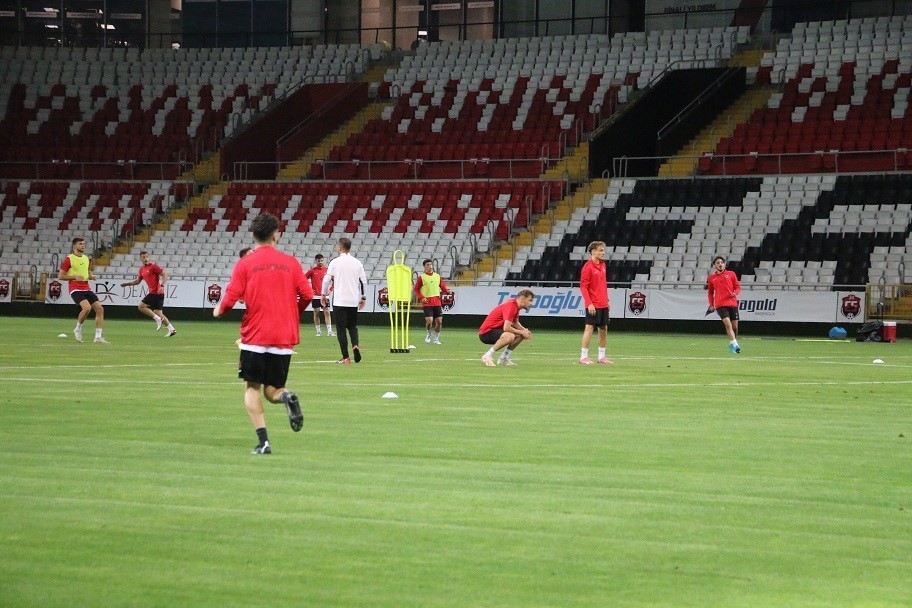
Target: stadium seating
<point x="463" y="111"/>
<point x="121" y="113"/>
<point x="446" y="221"/>
<point x="505" y="108"/>
<point x="844" y="106"/>
<point x="788" y="231"/>
<point x="38" y="219"/>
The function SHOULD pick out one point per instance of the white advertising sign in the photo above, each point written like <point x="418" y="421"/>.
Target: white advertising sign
<point x="6" y="288"/>
<point x="753" y="305"/>
<point x="566" y="302"/>
<point x="548" y="302"/>
<point x="178" y="294"/>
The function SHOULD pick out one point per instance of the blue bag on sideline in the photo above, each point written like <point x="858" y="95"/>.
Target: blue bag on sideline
<point x="838" y="333"/>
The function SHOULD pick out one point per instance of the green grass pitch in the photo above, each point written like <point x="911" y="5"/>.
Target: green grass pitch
<point x="680" y="476"/>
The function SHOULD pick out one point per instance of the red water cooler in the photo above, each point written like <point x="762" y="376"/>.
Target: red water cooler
<point x="889" y="331"/>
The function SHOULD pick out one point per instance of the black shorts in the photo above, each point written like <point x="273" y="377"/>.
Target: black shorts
<point x="155" y="301"/>
<point x="491" y="336"/>
<point x="264" y="368"/>
<point x="88" y="296"/>
<point x="728" y="312"/>
<point x="317" y="303"/>
<point x="433" y="311"/>
<point x="600" y="318"/>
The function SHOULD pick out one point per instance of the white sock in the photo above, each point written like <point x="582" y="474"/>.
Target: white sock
<point x="601" y="353"/>
<point x="97" y="332"/>
<point x="506" y="354"/>
<point x="78" y="326"/>
<point x="170" y="327"/>
<point x="317" y="327"/>
<point x="490" y="353"/>
<point x="584" y="353"/>
<point x="437" y="335"/>
<point x="156" y="318"/>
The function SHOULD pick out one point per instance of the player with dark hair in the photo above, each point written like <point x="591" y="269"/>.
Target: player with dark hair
<point x="723" y="289"/>
<point x="245" y="251"/>
<point x="75" y="270"/>
<point x="594" y="287"/>
<point x="152" y="305"/>
<point x="273" y="286"/>
<point x="346" y="280"/>
<point x="315" y="276"/>
<point x="427" y="289"/>
<point x="502" y="328"/>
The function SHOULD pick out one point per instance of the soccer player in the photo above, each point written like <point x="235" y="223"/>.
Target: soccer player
<point x="275" y="291"/>
<point x="346" y="279"/>
<point x="152" y="305"/>
<point x="315" y="276"/>
<point x="428" y="288"/>
<point x="502" y="328"/>
<point x="594" y="287"/>
<point x="723" y="289"/>
<point x="75" y="270"/>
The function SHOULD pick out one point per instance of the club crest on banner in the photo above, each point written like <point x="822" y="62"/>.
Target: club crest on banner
<point x="214" y="293"/>
<point x="636" y="302"/>
<point x="851" y="306"/>
<point x="383" y="298"/>
<point x="54" y="290"/>
<point x="4" y="288"/>
<point x="448" y="300"/>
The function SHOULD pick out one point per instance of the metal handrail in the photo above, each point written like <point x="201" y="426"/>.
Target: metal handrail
<point x="718" y="82"/>
<point x="899" y="156"/>
<point x="316" y="114"/>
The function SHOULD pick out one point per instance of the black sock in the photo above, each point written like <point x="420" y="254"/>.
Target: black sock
<point x="261" y="435"/>
<point x="285" y="396"/>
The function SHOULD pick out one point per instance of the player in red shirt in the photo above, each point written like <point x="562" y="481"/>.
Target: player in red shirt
<point x="273" y="286"/>
<point x="75" y="270"/>
<point x="428" y="288"/>
<point x="152" y="305"/>
<point x="502" y="328"/>
<point x="594" y="287"/>
<point x="315" y="276"/>
<point x="723" y="289"/>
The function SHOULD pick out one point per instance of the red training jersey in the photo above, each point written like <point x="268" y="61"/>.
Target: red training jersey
<point x="594" y="284"/>
<point x="723" y="287"/>
<point x="432" y="300"/>
<point x="151" y="274"/>
<point x="508" y="311"/>
<point x="315" y="275"/>
<point x="275" y="290"/>
<point x="74" y="285"/>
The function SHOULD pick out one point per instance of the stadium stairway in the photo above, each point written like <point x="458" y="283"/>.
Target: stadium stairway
<point x="163" y="223"/>
<point x="685" y="162"/>
<point x="576" y="165"/>
<point x="299" y="169"/>
<point x="544" y="224"/>
<point x="206" y="171"/>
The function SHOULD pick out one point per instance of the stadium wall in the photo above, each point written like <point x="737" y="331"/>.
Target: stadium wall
<point x="259" y="146"/>
<point x="634" y="132"/>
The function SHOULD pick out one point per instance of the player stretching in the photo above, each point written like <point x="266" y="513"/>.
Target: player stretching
<point x="75" y="270"/>
<point x="152" y="305"/>
<point x="594" y="287"/>
<point x="273" y="287"/>
<point x="723" y="290"/>
<point x="428" y="288"/>
<point x="502" y="328"/>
